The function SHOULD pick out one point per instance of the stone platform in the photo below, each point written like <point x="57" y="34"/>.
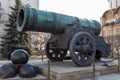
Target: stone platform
<point x="67" y="70"/>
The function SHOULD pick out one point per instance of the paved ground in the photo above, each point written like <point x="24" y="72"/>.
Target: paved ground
<point x="114" y="76"/>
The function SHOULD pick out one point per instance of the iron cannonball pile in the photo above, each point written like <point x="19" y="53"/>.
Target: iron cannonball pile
<point x="18" y="65"/>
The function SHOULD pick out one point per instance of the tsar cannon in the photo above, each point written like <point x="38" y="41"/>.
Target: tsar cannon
<point x="79" y="37"/>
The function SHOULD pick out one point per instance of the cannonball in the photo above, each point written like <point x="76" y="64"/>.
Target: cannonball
<point x="19" y="56"/>
<point x="8" y="71"/>
<point x="27" y="71"/>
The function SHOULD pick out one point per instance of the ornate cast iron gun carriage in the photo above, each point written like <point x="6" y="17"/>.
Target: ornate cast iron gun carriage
<point x="78" y="36"/>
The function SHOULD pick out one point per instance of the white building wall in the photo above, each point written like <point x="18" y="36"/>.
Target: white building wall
<point x="31" y="3"/>
<point x="6" y="3"/>
<point x="118" y="2"/>
<point x="114" y="4"/>
<point x="5" y="10"/>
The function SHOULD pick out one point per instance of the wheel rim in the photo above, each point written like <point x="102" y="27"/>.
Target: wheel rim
<point x="55" y="54"/>
<point x="82" y="49"/>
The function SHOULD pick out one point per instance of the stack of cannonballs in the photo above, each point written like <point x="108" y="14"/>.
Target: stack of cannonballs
<point x="19" y="59"/>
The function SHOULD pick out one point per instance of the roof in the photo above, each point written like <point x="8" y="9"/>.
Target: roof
<point x="111" y="10"/>
<point x="117" y="9"/>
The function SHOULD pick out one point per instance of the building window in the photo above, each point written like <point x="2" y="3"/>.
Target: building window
<point x="111" y="4"/>
<point x="0" y="16"/>
<point x="116" y="3"/>
<point x="0" y="5"/>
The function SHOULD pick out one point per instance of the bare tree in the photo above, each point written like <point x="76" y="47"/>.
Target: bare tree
<point x="38" y="41"/>
<point x="42" y="41"/>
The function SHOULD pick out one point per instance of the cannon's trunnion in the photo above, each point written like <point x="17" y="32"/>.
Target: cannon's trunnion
<point x="78" y="36"/>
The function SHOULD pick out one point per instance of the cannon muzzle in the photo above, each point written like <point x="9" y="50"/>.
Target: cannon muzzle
<point x="30" y="19"/>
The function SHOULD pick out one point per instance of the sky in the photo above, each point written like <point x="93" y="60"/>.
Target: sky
<point x="90" y="9"/>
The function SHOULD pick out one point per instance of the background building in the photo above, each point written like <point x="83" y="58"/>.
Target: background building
<point x="114" y="3"/>
<point x="5" y="7"/>
<point x="5" y="10"/>
<point x="110" y="21"/>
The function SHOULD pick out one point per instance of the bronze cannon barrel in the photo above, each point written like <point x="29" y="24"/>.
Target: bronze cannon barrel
<point x="30" y="19"/>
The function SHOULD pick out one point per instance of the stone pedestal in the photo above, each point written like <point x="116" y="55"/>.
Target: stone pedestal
<point x="67" y="70"/>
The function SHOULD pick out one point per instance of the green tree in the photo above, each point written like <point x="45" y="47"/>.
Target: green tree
<point x="13" y="39"/>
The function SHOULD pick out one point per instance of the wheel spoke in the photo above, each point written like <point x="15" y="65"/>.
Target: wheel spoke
<point x="77" y="55"/>
<point x="88" y="55"/>
<point x="56" y="54"/>
<point x="88" y="42"/>
<point x="61" y="54"/>
<point x="77" y="48"/>
<point x="79" y="42"/>
<point x="51" y="52"/>
<point x="85" y="40"/>
<point x="82" y="57"/>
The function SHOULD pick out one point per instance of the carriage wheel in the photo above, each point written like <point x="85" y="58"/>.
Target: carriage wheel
<point x="55" y="54"/>
<point x="82" y="49"/>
